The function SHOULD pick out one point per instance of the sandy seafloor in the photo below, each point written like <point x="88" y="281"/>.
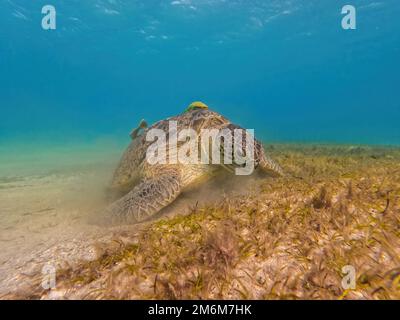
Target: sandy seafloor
<point x="45" y="199"/>
<point x="49" y="199"/>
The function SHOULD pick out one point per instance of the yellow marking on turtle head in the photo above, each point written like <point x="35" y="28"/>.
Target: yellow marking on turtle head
<point x="196" y="105"/>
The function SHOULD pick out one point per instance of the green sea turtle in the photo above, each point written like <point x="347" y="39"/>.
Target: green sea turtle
<point x="146" y="188"/>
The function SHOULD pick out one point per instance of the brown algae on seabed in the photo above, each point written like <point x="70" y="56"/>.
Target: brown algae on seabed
<point x="287" y="239"/>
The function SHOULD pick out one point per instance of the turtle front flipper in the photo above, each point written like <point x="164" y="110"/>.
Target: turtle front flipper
<point x="145" y="200"/>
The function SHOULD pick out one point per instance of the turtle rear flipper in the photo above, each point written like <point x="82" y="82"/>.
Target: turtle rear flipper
<point x="135" y="132"/>
<point x="145" y="200"/>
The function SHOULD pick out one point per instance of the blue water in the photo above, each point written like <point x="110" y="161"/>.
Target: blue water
<point x="283" y="67"/>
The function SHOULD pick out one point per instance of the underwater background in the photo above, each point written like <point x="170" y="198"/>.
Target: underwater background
<point x="285" y="68"/>
<point x="325" y="101"/>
